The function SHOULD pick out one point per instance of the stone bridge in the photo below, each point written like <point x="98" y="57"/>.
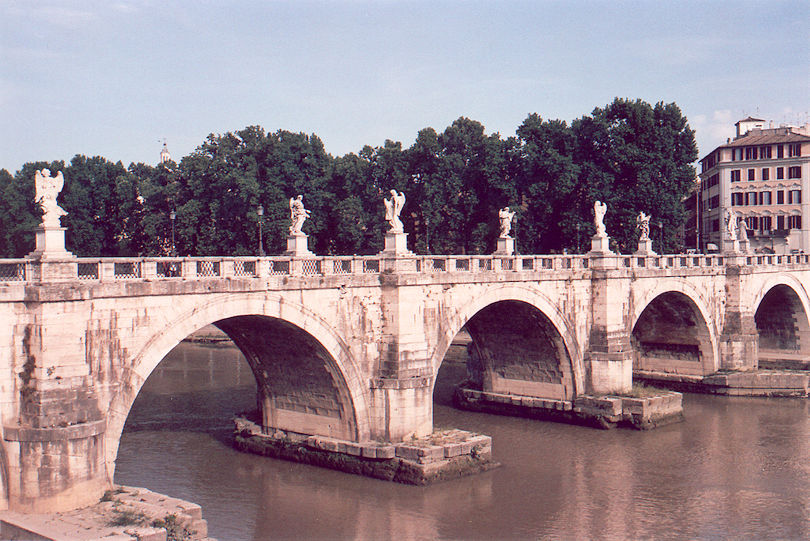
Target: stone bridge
<point x="349" y="347"/>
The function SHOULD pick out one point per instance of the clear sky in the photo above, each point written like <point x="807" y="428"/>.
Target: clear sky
<point x="115" y="77"/>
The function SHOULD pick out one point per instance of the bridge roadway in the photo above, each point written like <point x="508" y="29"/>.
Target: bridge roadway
<point x="349" y="347"/>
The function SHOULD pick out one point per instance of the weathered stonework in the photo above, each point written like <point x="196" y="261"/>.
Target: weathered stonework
<point x="349" y="348"/>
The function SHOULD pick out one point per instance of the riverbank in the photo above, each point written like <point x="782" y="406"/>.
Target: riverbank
<point x="123" y="514"/>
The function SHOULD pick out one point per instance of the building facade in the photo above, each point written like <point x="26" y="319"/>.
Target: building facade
<point x="763" y="177"/>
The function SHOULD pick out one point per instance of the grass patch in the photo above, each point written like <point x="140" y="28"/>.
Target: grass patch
<point x="127" y="517"/>
<point x="174" y="530"/>
<point x="640" y="390"/>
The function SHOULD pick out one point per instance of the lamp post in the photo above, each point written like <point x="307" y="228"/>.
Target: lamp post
<point x="172" y="216"/>
<point x="578" y="225"/>
<point x="260" y="214"/>
<point x="661" y="236"/>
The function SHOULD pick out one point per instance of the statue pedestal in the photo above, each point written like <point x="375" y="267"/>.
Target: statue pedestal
<point x="645" y="248"/>
<point x="297" y="246"/>
<point x="600" y="244"/>
<point x="731" y="246"/>
<point x="506" y="246"/>
<point x="745" y="246"/>
<point x="396" y="244"/>
<point x="50" y="243"/>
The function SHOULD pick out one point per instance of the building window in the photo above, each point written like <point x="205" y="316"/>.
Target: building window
<point x="766" y="173"/>
<point x="737" y="199"/>
<point x="780" y="173"/>
<point x="780" y="197"/>
<point x="795" y="171"/>
<point x="795" y="150"/>
<point x="715" y="225"/>
<point x="750" y="198"/>
<point x="750" y="153"/>
<point x="752" y="223"/>
<point x="780" y="151"/>
<point x="751" y="175"/>
<point x="736" y="154"/>
<point x="764" y="198"/>
<point x="780" y="222"/>
<point x="794" y="222"/>
<point x="765" y="152"/>
<point x="735" y="175"/>
<point x="765" y="223"/>
<point x="794" y="197"/>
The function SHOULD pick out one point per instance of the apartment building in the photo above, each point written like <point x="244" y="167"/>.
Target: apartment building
<point x="762" y="175"/>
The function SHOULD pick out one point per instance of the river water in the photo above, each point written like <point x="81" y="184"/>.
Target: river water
<point x="737" y="468"/>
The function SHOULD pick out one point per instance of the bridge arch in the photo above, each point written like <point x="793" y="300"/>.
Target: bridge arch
<point x="780" y="307"/>
<point x="520" y="304"/>
<point x="237" y="313"/>
<point x="670" y="330"/>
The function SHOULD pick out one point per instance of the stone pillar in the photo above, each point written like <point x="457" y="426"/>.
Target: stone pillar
<point x="297" y="246"/>
<point x="609" y="357"/>
<point x="645" y="248"/>
<point x="739" y="340"/>
<point x="506" y="246"/>
<point x="54" y="447"/>
<point x="402" y="393"/>
<point x="396" y="245"/>
<point x="600" y="244"/>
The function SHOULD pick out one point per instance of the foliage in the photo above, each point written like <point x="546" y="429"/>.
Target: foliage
<point x="629" y="154"/>
<point x="175" y="531"/>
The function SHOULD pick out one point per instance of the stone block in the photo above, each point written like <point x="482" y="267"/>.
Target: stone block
<point x="386" y="452"/>
<point x="453" y="449"/>
<point x="408" y="452"/>
<point x="353" y="449"/>
<point x="430" y="454"/>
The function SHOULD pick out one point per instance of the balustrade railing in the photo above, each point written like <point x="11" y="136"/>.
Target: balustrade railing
<point x="188" y="268"/>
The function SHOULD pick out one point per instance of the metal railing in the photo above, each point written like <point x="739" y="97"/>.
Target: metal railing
<point x="190" y="268"/>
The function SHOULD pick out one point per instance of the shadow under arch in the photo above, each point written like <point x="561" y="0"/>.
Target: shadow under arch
<point x="521" y="343"/>
<point x="671" y="332"/>
<point x="250" y="320"/>
<point x="780" y="309"/>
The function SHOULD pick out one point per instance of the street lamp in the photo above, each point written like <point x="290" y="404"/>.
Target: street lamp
<point x="661" y="236"/>
<point x="172" y="216"/>
<point x="260" y="214"/>
<point x="578" y="237"/>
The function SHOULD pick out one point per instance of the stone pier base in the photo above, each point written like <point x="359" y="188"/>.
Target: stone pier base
<point x="775" y="383"/>
<point x="595" y="411"/>
<point x="444" y="455"/>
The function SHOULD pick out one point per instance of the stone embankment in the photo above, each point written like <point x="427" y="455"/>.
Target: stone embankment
<point x="446" y="454"/>
<point x="123" y="514"/>
<point x="643" y="413"/>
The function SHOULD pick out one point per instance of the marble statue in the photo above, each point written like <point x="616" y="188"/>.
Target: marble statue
<point x="643" y="225"/>
<point x="599" y="211"/>
<point x="742" y="229"/>
<point x="731" y="224"/>
<point x="393" y="207"/>
<point x="505" y="216"/>
<point x="47" y="189"/>
<point x="298" y="214"/>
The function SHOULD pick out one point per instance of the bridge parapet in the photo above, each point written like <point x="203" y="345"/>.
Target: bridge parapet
<point x="168" y="268"/>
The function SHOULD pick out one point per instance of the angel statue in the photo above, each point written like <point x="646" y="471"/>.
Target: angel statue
<point x="393" y="207"/>
<point x="47" y="188"/>
<point x="505" y="216"/>
<point x="297" y="215"/>
<point x="742" y="229"/>
<point x="599" y="211"/>
<point x="731" y="224"/>
<point x="643" y="225"/>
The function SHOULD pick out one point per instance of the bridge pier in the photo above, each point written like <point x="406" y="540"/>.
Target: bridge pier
<point x="609" y="355"/>
<point x="739" y="340"/>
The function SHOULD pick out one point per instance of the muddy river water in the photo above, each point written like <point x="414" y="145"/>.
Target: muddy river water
<point x="737" y="468"/>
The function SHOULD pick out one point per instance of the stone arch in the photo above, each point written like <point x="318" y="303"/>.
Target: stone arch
<point x="534" y="304"/>
<point x="780" y="307"/>
<point x="670" y="330"/>
<point x="177" y="325"/>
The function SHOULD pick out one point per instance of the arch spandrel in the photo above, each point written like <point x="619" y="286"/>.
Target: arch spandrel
<point x="178" y="325"/>
<point x="458" y="316"/>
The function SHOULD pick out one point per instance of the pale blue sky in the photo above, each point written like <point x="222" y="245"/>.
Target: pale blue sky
<point x="114" y="77"/>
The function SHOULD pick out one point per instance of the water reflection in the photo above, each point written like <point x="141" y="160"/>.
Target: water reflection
<point x="737" y="468"/>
